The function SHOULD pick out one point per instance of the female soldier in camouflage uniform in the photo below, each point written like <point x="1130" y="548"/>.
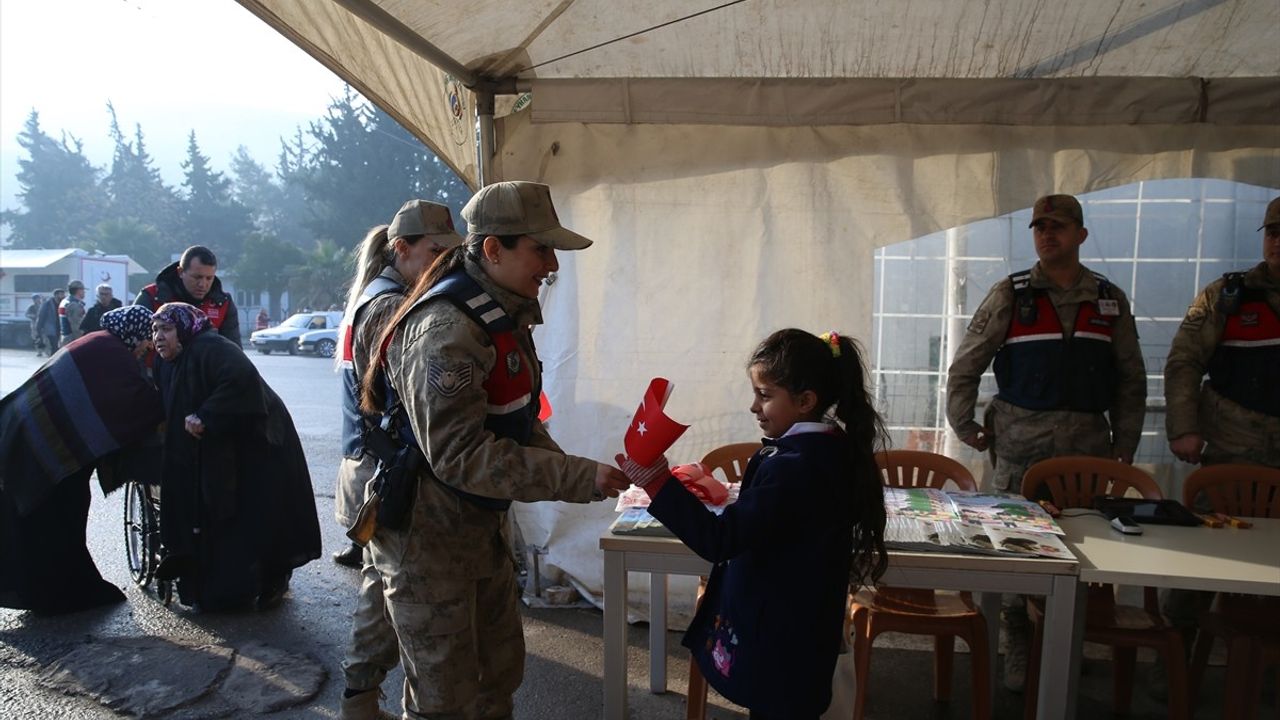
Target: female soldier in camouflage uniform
<point x="458" y="366"/>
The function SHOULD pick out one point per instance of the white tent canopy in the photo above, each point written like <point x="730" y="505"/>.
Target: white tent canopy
<point x="739" y="162"/>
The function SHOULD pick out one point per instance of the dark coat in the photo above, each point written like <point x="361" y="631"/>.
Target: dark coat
<point x="244" y="485"/>
<point x="767" y="631"/>
<point x="88" y="407"/>
<point x="92" y="321"/>
<point x="217" y="304"/>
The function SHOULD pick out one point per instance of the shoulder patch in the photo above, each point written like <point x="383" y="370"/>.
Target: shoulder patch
<point x="1195" y="317"/>
<point x="979" y="321"/>
<point x="448" y="380"/>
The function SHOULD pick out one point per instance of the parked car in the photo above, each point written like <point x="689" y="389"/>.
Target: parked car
<point x="321" y="343"/>
<point x="285" y="336"/>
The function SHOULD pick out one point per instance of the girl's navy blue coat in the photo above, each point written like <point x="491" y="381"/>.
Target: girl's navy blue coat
<point x="767" y="632"/>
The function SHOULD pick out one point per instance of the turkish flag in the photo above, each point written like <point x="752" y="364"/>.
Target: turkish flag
<point x="544" y="406"/>
<point x="651" y="432"/>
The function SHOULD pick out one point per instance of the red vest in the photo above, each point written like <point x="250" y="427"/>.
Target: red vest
<point x="1040" y="368"/>
<point x="1245" y="367"/>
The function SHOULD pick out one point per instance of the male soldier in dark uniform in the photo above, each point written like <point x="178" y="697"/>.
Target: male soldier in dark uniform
<point x="1067" y="361"/>
<point x="1232" y="333"/>
<point x="192" y="280"/>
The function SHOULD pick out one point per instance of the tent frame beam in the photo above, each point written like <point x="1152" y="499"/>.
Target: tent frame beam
<point x="369" y="12"/>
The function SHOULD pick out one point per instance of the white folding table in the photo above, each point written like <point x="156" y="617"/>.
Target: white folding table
<point x="990" y="575"/>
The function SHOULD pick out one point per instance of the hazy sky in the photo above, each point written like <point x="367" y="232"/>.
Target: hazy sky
<point x="171" y="65"/>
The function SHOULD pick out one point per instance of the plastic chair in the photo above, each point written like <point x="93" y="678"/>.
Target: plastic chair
<point x="921" y="612"/>
<point x="1250" y="625"/>
<point x="1073" y="482"/>
<point x="732" y="461"/>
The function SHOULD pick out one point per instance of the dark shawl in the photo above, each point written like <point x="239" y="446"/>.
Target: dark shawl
<point x="85" y="403"/>
<point x="245" y="484"/>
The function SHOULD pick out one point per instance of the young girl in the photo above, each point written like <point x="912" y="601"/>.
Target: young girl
<point x="808" y="523"/>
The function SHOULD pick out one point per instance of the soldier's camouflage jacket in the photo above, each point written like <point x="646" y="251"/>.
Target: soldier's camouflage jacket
<point x="986" y="334"/>
<point x="438" y="362"/>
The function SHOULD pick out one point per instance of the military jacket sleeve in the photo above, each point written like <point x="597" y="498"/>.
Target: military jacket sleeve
<point x="1129" y="406"/>
<point x="982" y="339"/>
<point x="540" y="438"/>
<point x="439" y="362"/>
<point x="1188" y="360"/>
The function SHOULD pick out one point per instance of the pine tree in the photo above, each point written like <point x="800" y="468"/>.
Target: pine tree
<point x="211" y="216"/>
<point x="136" y="191"/>
<point x="293" y="171"/>
<point x="58" y="189"/>
<point x="364" y="167"/>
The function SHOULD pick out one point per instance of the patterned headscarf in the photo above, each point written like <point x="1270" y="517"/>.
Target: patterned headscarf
<point x="131" y="324"/>
<point x="188" y="319"/>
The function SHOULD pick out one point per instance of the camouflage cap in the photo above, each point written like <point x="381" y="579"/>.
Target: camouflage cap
<point x="1063" y="208"/>
<point x="75" y="285"/>
<point x="1273" y="214"/>
<point x="520" y="208"/>
<point x="425" y="218"/>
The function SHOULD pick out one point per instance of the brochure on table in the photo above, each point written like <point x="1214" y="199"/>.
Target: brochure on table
<point x="969" y="522"/>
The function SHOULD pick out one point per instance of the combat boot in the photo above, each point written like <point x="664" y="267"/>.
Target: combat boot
<point x="364" y="705"/>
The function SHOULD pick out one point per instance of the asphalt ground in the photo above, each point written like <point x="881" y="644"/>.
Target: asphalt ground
<point x="563" y="675"/>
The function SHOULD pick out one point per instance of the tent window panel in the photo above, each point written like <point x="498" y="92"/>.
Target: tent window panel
<point x="987" y="238"/>
<point x="1171" y="232"/>
<point x="1223" y="227"/>
<point x="1210" y="271"/>
<point x="1123" y="192"/>
<point x="1112" y="229"/>
<point x="980" y="277"/>
<point x="910" y="344"/>
<point x="1022" y="246"/>
<point x="1163" y="289"/>
<point x="913" y="286"/>
<point x="909" y="399"/>
<point x="1176" y="189"/>
<point x="1248" y="250"/>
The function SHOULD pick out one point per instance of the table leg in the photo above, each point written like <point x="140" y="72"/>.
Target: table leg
<point x="657" y="632"/>
<point x="990" y="604"/>
<point x="615" y="636"/>
<point x="1060" y="656"/>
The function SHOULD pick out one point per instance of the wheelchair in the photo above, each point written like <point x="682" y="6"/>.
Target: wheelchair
<point x="142" y="537"/>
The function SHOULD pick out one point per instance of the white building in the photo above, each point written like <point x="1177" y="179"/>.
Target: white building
<point x="27" y="272"/>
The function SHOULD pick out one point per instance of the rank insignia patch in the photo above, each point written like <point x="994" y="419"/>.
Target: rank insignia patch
<point x="448" y="381"/>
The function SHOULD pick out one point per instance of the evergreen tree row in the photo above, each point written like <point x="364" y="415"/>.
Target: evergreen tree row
<point x="291" y="228"/>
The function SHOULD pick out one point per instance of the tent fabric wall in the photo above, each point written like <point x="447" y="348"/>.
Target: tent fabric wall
<point x="738" y="163"/>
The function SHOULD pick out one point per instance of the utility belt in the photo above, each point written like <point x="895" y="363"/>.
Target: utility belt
<point x="395" y="483"/>
<point x="390" y="496"/>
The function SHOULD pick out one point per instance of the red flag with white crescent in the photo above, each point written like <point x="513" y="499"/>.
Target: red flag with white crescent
<point x="651" y="432"/>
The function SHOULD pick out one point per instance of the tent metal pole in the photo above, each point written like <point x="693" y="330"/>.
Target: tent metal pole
<point x="382" y="20"/>
<point x="484" y="138"/>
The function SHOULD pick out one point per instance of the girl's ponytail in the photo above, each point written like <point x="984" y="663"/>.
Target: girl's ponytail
<point x="864" y="429"/>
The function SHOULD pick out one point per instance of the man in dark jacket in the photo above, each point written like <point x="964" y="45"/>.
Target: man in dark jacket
<point x="47" y="321"/>
<point x="93" y="318"/>
<point x="192" y="280"/>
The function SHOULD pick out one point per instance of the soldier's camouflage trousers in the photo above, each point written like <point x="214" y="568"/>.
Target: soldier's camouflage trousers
<point x="1022" y="438"/>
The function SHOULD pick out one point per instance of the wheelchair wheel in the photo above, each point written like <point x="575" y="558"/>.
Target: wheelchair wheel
<point x="138" y="533"/>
